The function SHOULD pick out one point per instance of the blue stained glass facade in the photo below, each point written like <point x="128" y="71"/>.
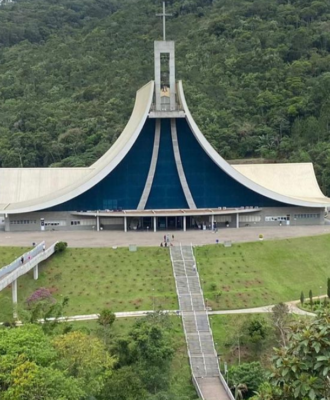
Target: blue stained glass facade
<point x="123" y="187"/>
<point x="210" y="186"/>
<point x="166" y="191"/>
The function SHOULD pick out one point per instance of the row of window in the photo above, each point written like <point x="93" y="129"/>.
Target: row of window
<point x="52" y="223"/>
<point x="55" y="223"/>
<point x="277" y="218"/>
<point x="222" y="218"/>
<point x="22" y="222"/>
<point x="249" y="218"/>
<point x="303" y="216"/>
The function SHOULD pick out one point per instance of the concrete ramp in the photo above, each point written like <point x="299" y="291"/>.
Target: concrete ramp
<point x="206" y="376"/>
<point x="212" y="389"/>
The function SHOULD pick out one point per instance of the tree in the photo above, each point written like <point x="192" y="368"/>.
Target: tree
<point x="29" y="381"/>
<point x="42" y="307"/>
<point x="301" y="369"/>
<point x="123" y="384"/>
<point x="311" y="298"/>
<point x="302" y="298"/>
<point x="28" y="341"/>
<point x="270" y="80"/>
<point x="106" y="318"/>
<point x="256" y="332"/>
<point x="251" y="375"/>
<point x="149" y="350"/>
<point x="85" y="358"/>
<point x="239" y="390"/>
<point x="280" y="319"/>
<point x="27" y="367"/>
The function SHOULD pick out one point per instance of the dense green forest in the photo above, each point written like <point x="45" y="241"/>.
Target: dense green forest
<point x="256" y="75"/>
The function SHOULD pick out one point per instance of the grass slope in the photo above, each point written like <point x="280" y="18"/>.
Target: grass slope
<point x="263" y="273"/>
<point x="98" y="278"/>
<point x="9" y="254"/>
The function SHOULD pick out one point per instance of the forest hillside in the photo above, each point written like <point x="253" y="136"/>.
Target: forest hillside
<point x="256" y="75"/>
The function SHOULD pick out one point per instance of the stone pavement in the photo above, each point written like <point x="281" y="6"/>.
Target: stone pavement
<point x="122" y="239"/>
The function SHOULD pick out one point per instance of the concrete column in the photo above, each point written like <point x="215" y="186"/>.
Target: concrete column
<point x="157" y="76"/>
<point x="184" y="224"/>
<point x="7" y="223"/>
<point x="237" y="220"/>
<point x="97" y="223"/>
<point x="125" y="224"/>
<point x="212" y="221"/>
<point x="36" y="272"/>
<point x="155" y="224"/>
<point x="14" y="291"/>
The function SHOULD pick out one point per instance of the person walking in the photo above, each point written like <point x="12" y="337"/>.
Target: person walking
<point x="22" y="260"/>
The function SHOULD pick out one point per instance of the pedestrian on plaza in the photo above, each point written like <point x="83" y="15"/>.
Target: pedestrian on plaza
<point x="22" y="260"/>
<point x="43" y="247"/>
<point x="172" y="237"/>
<point x="161" y="244"/>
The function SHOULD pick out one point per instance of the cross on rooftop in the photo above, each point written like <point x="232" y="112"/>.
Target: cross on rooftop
<point x="164" y="15"/>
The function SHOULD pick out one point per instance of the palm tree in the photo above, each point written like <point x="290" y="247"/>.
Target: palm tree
<point x="239" y="389"/>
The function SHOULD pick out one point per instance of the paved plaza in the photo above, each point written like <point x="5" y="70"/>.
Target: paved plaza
<point x="122" y="239"/>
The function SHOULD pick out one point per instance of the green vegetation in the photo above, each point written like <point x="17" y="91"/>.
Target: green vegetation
<point x="139" y="359"/>
<point x="94" y="279"/>
<point x="301" y="369"/>
<point x="256" y="74"/>
<point x="9" y="254"/>
<point x="263" y="273"/>
<point x="234" y="344"/>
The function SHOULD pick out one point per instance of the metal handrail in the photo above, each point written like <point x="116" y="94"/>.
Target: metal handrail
<point x="222" y="379"/>
<point x="26" y="256"/>
<point x="23" y="269"/>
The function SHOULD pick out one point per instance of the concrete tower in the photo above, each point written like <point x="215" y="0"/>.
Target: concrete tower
<point x="166" y="103"/>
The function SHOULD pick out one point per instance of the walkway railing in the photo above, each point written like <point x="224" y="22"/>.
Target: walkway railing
<point x="21" y="269"/>
<point x="26" y="256"/>
<point x="203" y="358"/>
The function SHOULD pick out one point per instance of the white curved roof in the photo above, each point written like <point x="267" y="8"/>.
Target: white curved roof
<point x="266" y="180"/>
<point x="20" y="188"/>
<point x="33" y="189"/>
<point x="297" y="181"/>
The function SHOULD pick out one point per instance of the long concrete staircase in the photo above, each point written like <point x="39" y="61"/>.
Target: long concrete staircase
<point x="206" y="375"/>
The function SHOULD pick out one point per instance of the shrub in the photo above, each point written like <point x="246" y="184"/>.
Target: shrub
<point x="311" y="298"/>
<point x="60" y="247"/>
<point x="302" y="298"/>
<point x="106" y="318"/>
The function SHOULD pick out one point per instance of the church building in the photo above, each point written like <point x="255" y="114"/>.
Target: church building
<point x="161" y="173"/>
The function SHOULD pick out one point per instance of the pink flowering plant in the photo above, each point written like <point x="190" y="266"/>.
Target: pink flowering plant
<point x="40" y="295"/>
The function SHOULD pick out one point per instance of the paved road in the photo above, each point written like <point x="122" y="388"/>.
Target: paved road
<point x="121" y="239"/>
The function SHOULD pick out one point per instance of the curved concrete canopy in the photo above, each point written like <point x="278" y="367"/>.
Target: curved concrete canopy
<point x="32" y="189"/>
<point x="77" y="181"/>
<point x="293" y="184"/>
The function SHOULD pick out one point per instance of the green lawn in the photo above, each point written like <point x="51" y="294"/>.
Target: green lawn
<point x="98" y="278"/>
<point x="9" y="254"/>
<point x="263" y="273"/>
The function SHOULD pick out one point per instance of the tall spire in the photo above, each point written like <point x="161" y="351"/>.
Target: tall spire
<point x="164" y="15"/>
